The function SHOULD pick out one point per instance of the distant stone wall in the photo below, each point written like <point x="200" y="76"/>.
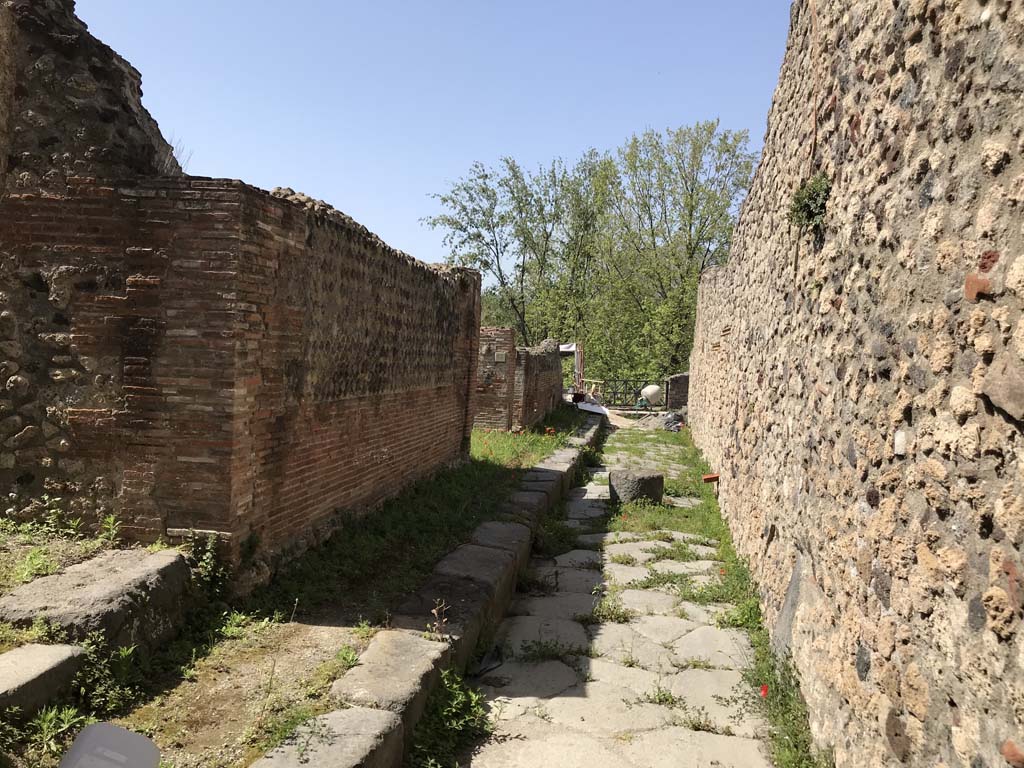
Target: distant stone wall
<point x="198" y="354"/>
<point x="69" y="105"/>
<point x="495" y="379"/>
<point x="863" y="397"/>
<point x="538" y="383"/>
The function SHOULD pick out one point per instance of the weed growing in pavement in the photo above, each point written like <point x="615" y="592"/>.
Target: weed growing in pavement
<point x="455" y="718"/>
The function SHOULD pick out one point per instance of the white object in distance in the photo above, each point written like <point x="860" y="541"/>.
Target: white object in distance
<point x="103" y="745"/>
<point x="652" y="394"/>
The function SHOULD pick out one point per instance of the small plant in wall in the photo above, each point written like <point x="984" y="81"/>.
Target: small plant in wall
<point x="807" y="211"/>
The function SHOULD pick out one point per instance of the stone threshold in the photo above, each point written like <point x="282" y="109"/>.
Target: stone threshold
<point x="468" y="594"/>
<point x="132" y="597"/>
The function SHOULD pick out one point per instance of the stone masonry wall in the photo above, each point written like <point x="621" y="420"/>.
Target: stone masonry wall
<point x="495" y="379"/>
<point x="197" y="354"/>
<point x="538" y="383"/>
<point x="69" y="105"/>
<point x="862" y="396"/>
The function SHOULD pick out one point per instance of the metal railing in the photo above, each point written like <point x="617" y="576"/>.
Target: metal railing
<point x="619" y="393"/>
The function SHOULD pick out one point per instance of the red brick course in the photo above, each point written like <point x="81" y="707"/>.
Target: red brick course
<point x="236" y="364"/>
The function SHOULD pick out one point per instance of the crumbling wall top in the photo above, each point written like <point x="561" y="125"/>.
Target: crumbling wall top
<point x="69" y="105"/>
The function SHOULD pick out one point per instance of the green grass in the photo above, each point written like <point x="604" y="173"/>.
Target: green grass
<point x="455" y="719"/>
<point x="547" y="650"/>
<point x="42" y="547"/>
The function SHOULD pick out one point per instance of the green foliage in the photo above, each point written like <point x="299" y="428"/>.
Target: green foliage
<point x="455" y="718"/>
<point x="53" y="728"/>
<point x="209" y="568"/>
<point x="36" y="562"/>
<point x="606" y="251"/>
<point x="810" y="202"/>
<point x="609" y="610"/>
<point x="110" y="680"/>
<point x="792" y="745"/>
<point x="325" y="674"/>
<point x="110" y="528"/>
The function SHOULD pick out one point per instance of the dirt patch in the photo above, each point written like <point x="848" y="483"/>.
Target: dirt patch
<point x="237" y="700"/>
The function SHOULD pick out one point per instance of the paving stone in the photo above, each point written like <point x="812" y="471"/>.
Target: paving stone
<point x="560" y="605"/>
<point x="638" y="680"/>
<point x="727" y="648"/>
<point x="721" y="693"/>
<point x="646" y="601"/>
<point x="131" y="596"/>
<point x="677" y="746"/>
<point x="624" y="574"/>
<point x="606" y="710"/>
<point x="692" y="567"/>
<point x="582" y="580"/>
<point x="31" y="676"/>
<point x="541" y="744"/>
<point x="624" y="645"/>
<point x="519" y="634"/>
<point x="348" y="738"/>
<point x="492" y="568"/>
<point x="396" y="672"/>
<point x="612" y="537"/>
<point x="515" y="688"/>
<point x="662" y="629"/>
<point x="512" y="537"/>
<point x="639" y="550"/>
<point x="701" y="614"/>
<point x="579" y="558"/>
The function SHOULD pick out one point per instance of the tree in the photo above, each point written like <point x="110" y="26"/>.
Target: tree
<point x="608" y="251"/>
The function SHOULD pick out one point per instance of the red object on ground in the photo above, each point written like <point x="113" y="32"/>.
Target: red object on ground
<point x="764" y="691"/>
<point x="710" y="478"/>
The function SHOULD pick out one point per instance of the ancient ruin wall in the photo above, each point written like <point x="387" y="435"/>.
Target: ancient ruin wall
<point x="69" y="105"/>
<point x="197" y="354"/>
<point x="863" y="397"/>
<point x="538" y="383"/>
<point x="495" y="379"/>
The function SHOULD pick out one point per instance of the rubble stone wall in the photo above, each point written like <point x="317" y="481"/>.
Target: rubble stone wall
<point x="862" y="393"/>
<point x="69" y="105"/>
<point x="495" y="379"/>
<point x="538" y="383"/>
<point x="197" y="354"/>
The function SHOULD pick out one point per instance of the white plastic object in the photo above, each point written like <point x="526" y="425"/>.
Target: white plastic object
<point x="652" y="394"/>
<point x="107" y="746"/>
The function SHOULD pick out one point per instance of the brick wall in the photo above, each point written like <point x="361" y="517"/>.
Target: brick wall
<point x="538" y="383"/>
<point x="495" y="381"/>
<point x="194" y="353"/>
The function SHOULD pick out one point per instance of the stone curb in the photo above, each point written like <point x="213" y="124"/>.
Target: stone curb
<point x="132" y="597"/>
<point x="31" y="675"/>
<point x="466" y="597"/>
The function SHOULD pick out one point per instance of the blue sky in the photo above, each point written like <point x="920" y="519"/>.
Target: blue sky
<point x="374" y="105"/>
